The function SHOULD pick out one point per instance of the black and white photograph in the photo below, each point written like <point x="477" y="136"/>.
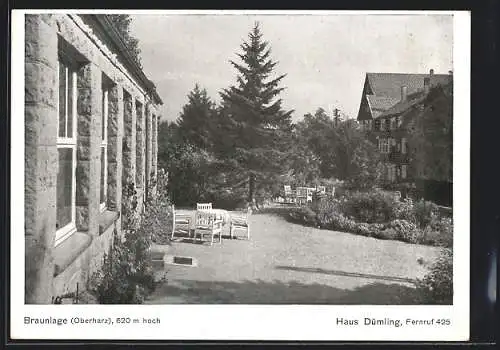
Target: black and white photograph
<point x="236" y="161"/>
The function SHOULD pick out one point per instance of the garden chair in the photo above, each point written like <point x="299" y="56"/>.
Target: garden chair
<point x="302" y="195"/>
<point x="207" y="223"/>
<point x="180" y="222"/>
<point x="289" y="195"/>
<point x="240" y="221"/>
<point x="203" y="206"/>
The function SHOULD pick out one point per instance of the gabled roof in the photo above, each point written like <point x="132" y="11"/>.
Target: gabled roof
<point x="379" y="104"/>
<point x="389" y="84"/>
<point x="402" y="106"/>
<point x="414" y="99"/>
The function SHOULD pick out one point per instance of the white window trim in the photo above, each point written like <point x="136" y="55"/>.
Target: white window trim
<point x="68" y="142"/>
<point x="403" y="171"/>
<point x="404" y="145"/>
<point x="104" y="144"/>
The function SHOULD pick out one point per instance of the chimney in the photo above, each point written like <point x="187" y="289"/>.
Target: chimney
<point x="431" y="72"/>
<point x="427" y="85"/>
<point x="404" y="92"/>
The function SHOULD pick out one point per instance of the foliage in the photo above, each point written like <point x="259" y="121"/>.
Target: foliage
<point x="371" y="207"/>
<point x="437" y="286"/>
<point x="252" y="113"/>
<point x="439" y="232"/>
<point x="406" y="231"/>
<point x="405" y="210"/>
<point x="127" y="274"/>
<point x="431" y="139"/>
<point x="424" y="212"/>
<point x="341" y="150"/>
<point x="389" y="218"/>
<point x="157" y="218"/>
<point x="196" y="120"/>
<point x="122" y="25"/>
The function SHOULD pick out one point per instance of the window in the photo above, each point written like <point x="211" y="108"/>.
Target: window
<point x="393" y="123"/>
<point x="383" y="145"/>
<point x="104" y="146"/>
<point x="399" y="122"/>
<point x="66" y="149"/>
<point x="403" y="145"/>
<point x="391" y="172"/>
<point x="369" y="124"/>
<point x="403" y="171"/>
<point x="377" y="124"/>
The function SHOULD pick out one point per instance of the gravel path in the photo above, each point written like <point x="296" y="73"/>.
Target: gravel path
<point x="285" y="263"/>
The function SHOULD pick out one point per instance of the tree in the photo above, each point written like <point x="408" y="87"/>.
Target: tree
<point x="342" y="150"/>
<point x="252" y="111"/>
<point x="196" y="119"/>
<point x="122" y="25"/>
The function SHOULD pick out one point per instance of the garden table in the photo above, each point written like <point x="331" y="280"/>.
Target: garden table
<point x="220" y="214"/>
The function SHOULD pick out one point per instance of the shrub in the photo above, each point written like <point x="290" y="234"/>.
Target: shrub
<point x="404" y="210"/>
<point x="304" y="215"/>
<point x="439" y="232"/>
<point x="157" y="217"/>
<point x="127" y="274"/>
<point x="388" y="233"/>
<point x="424" y="212"/>
<point x="406" y="231"/>
<point x="437" y="286"/>
<point x="325" y="207"/>
<point x="371" y="207"/>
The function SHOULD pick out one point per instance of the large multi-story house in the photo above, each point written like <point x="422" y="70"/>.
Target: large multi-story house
<point x="91" y="120"/>
<point x="390" y="105"/>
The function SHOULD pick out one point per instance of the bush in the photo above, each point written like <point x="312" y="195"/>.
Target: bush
<point x="439" y="232"/>
<point x="437" y="286"/>
<point x="406" y="231"/>
<point x="404" y="210"/>
<point x="388" y="234"/>
<point x="424" y="212"/>
<point x="304" y="215"/>
<point x="127" y="274"/>
<point x="371" y="207"/>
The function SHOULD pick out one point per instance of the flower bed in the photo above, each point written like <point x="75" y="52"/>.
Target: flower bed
<point x="378" y="214"/>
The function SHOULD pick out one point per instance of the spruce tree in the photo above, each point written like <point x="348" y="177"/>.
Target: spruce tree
<point x="195" y="121"/>
<point x="259" y="127"/>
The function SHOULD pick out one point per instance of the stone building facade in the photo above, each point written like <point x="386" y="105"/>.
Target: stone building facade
<point x="91" y="121"/>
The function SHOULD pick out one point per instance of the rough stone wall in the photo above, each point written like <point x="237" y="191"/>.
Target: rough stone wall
<point x="40" y="99"/>
<point x="140" y="153"/>
<point x="46" y="36"/>
<point x="88" y="165"/>
<point x="149" y="144"/>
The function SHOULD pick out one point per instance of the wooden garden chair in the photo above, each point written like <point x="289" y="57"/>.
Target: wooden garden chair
<point x="180" y="222"/>
<point x="207" y="224"/>
<point x="240" y="221"/>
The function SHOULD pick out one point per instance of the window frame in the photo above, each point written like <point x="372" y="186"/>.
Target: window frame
<point x="404" y="171"/>
<point x="404" y="145"/>
<point x="62" y="233"/>
<point x="104" y="146"/>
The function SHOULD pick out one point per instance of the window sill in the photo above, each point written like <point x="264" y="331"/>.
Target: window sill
<point x="66" y="252"/>
<point x="106" y="219"/>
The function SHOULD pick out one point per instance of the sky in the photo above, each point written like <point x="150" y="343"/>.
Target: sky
<point x="325" y="57"/>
